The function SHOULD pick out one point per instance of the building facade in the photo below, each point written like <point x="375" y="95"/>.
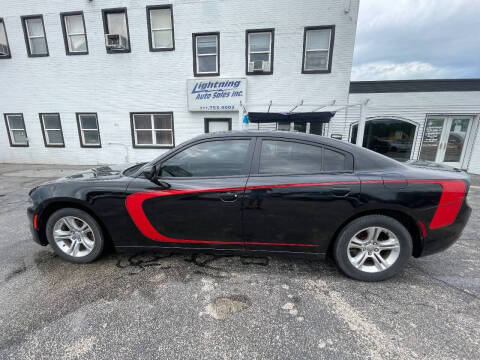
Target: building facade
<point x="432" y="120"/>
<point x="97" y="82"/>
<point x="111" y="81"/>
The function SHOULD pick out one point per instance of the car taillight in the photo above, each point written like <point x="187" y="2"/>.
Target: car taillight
<point x="453" y="193"/>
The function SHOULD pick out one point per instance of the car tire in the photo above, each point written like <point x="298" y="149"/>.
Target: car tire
<point x="87" y="245"/>
<point x="383" y="257"/>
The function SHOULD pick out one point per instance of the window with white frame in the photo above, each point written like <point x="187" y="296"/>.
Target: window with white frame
<point x="115" y="24"/>
<point x="206" y="57"/>
<point x="160" y="26"/>
<point x="74" y="33"/>
<point x="17" y="134"/>
<point x="260" y="51"/>
<point x="52" y="129"/>
<point x="35" y="35"/>
<point x="152" y="129"/>
<point x="317" y="49"/>
<point x="4" y="47"/>
<point x="88" y="130"/>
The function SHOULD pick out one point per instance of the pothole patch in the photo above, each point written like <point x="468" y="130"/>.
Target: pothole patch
<point x="223" y="307"/>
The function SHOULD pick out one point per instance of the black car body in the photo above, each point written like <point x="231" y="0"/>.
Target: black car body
<point x="266" y="204"/>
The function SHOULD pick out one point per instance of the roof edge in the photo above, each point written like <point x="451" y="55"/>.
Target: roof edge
<point x="421" y="85"/>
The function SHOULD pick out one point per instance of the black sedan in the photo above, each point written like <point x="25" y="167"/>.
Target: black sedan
<point x="258" y="193"/>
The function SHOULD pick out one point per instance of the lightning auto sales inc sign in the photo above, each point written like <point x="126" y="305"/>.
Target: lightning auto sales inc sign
<point x="216" y="94"/>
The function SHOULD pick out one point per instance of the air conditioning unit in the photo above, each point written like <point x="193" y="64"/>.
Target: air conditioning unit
<point x="258" y="66"/>
<point x="116" y="42"/>
<point x="3" y="50"/>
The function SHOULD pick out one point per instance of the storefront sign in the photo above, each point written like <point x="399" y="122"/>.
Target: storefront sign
<point x="216" y="94"/>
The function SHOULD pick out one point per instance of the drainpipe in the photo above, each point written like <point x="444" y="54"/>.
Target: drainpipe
<point x="126" y="149"/>
<point x="361" y="123"/>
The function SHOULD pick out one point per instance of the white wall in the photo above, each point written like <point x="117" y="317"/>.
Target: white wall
<point x="415" y="107"/>
<point x="113" y="85"/>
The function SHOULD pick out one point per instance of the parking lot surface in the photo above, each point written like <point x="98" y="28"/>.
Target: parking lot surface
<point x="145" y="305"/>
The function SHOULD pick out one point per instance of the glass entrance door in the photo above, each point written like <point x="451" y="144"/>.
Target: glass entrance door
<point x="445" y="140"/>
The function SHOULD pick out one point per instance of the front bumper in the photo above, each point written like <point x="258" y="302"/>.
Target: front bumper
<point x="36" y="234"/>
<point x="440" y="239"/>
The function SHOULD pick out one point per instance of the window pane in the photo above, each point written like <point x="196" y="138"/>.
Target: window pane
<point x="39" y="46"/>
<point x="74" y="24"/>
<point x="117" y="24"/>
<point x="160" y="19"/>
<point x="316" y="60"/>
<point x="51" y="121"/>
<point x="88" y="121"/>
<point x="214" y="126"/>
<point x="456" y="139"/>
<point x="318" y="39"/>
<point x="15" y="121"/>
<point x="19" y="137"/>
<point x="3" y="36"/>
<point x="259" y="41"/>
<point x="77" y="43"/>
<point x="283" y="126"/>
<point x="431" y="139"/>
<point x="282" y="157"/>
<point x="333" y="161"/>
<point x="260" y="56"/>
<point x="207" y="63"/>
<point x="163" y="137"/>
<point x="35" y="27"/>
<point x="162" y="121"/>
<point x="92" y="137"/>
<point x="390" y="137"/>
<point x="144" y="137"/>
<point x="54" y="137"/>
<point x="162" y="39"/>
<point x="213" y="158"/>
<point x="207" y="44"/>
<point x="142" y="121"/>
<point x="316" y="128"/>
<point x="300" y="127"/>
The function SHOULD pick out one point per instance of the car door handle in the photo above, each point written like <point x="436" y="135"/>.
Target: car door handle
<point x="228" y="197"/>
<point x="340" y="192"/>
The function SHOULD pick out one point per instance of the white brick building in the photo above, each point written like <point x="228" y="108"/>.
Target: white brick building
<point x="113" y="85"/>
<point x="67" y="98"/>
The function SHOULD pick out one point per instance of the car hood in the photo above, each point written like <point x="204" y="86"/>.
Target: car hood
<point x="106" y="172"/>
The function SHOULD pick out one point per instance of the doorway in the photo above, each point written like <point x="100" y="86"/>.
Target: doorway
<point x="445" y="139"/>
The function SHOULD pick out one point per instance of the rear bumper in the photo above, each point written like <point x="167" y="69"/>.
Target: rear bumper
<point x="441" y="238"/>
<point x="36" y="236"/>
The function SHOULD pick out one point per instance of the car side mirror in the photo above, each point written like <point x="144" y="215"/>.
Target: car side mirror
<point x="151" y="173"/>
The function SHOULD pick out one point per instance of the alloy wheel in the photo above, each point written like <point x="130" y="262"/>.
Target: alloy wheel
<point x="373" y="249"/>
<point x="73" y="236"/>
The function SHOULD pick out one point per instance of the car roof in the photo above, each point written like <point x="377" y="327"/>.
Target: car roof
<point x="364" y="159"/>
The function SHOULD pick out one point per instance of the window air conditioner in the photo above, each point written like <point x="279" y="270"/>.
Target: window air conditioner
<point x="258" y="66"/>
<point x="3" y="50"/>
<point x="115" y="42"/>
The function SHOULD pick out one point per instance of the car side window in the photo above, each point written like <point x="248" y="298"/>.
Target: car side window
<point x="208" y="159"/>
<point x="285" y="157"/>
<point x="334" y="161"/>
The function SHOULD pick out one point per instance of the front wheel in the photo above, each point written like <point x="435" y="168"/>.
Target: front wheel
<point x="74" y="235"/>
<point x="372" y="248"/>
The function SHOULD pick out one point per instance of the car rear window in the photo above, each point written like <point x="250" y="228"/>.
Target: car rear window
<point x="287" y="157"/>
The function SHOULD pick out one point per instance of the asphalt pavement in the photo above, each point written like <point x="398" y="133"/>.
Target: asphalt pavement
<point x="146" y="305"/>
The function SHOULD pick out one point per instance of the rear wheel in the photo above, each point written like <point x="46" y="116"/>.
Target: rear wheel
<point x="373" y="248"/>
<point x="74" y="235"/>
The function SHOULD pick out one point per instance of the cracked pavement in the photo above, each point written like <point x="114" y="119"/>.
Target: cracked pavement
<point x="155" y="305"/>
